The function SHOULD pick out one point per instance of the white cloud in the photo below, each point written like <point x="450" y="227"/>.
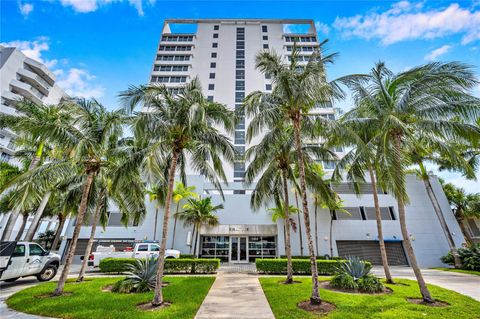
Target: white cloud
<point x="322" y="27"/>
<point x="407" y="21"/>
<point x="432" y="56"/>
<point x="77" y="82"/>
<point x="25" y="9"/>
<point x="86" y="6"/>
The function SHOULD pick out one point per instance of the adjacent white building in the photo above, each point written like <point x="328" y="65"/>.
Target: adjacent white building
<point x="221" y="53"/>
<point x="23" y="77"/>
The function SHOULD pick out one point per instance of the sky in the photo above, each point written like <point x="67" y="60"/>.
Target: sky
<point x="98" y="48"/>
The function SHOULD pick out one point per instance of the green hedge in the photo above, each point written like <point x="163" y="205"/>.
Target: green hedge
<point x="308" y="257"/>
<point x="172" y="266"/>
<point x="300" y="266"/>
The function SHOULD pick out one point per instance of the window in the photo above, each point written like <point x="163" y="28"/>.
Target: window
<point x="240" y="137"/>
<point x="213" y="65"/>
<point x="35" y="250"/>
<point x="211" y="86"/>
<point x="239" y="191"/>
<point x="214" y="54"/>
<point x="240" y="150"/>
<point x="241" y="123"/>
<point x="264" y="28"/>
<point x="142" y="248"/>
<point x="210" y="98"/>
<point x="267" y="76"/>
<point x="154" y="248"/>
<point x="240" y="64"/>
<point x="214" y="45"/>
<point x="265" y="46"/>
<point x="392" y="212"/>
<point x="212" y="76"/>
<point x="216" y="27"/>
<point x="240" y="54"/>
<point x="240" y="85"/>
<point x="240" y="74"/>
<point x="215" y="35"/>
<point x="268" y="87"/>
<point x="239" y="96"/>
<point x="265" y="37"/>
<point x="19" y="251"/>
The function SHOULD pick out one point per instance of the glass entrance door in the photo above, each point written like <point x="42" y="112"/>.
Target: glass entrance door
<point x="238" y="249"/>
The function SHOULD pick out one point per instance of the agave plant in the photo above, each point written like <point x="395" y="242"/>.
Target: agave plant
<point x="355" y="267"/>
<point x="140" y="276"/>
<point x="354" y="274"/>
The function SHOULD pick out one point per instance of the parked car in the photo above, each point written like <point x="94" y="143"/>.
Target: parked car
<point x="141" y="250"/>
<point x="23" y="259"/>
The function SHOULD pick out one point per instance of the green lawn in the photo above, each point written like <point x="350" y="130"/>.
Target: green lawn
<point x="89" y="302"/>
<point x="463" y="271"/>
<point x="284" y="298"/>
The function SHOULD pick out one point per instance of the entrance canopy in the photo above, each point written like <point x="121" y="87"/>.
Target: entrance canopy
<point x="239" y="230"/>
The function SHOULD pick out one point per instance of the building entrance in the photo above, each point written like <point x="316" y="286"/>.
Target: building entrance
<point x="238" y="249"/>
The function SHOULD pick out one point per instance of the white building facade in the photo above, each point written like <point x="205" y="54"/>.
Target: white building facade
<point x="23" y="77"/>
<point x="221" y="53"/>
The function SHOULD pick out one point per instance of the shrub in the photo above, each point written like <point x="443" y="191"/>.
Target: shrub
<point x="354" y="274"/>
<point x="308" y="257"/>
<point x="470" y="257"/>
<point x="300" y="266"/>
<point x="172" y="266"/>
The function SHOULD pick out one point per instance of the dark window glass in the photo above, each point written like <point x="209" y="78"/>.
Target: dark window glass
<point x="265" y="37"/>
<point x="241" y="54"/>
<point x="240" y="74"/>
<point x="213" y="65"/>
<point x="240" y="138"/>
<point x="35" y="250"/>
<point x="268" y="76"/>
<point x="212" y="75"/>
<point x="268" y="87"/>
<point x="214" y="54"/>
<point x="211" y="86"/>
<point x="215" y="35"/>
<point x="19" y="251"/>
<point x="265" y="46"/>
<point x="264" y="28"/>
<point x="240" y="150"/>
<point x="392" y="212"/>
<point x="216" y="27"/>
<point x="142" y="248"/>
<point x="215" y="45"/>
<point x="210" y="98"/>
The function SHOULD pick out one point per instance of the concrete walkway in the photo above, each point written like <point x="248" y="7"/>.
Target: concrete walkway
<point x="465" y="284"/>
<point x="235" y="296"/>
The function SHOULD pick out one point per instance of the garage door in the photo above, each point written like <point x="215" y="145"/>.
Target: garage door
<point x="370" y="250"/>
<point x="119" y="244"/>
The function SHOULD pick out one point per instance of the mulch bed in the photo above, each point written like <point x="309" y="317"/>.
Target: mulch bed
<point x="326" y="285"/>
<point x="321" y="309"/>
<point x="148" y="306"/>
<point x="436" y="303"/>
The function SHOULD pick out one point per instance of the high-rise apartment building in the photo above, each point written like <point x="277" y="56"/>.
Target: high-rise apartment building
<point x="221" y="53"/>
<point x="22" y="77"/>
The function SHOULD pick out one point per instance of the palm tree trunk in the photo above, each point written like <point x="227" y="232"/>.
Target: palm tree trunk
<point x="36" y="218"/>
<point x="316" y="227"/>
<point x="315" y="297"/>
<point x="299" y="226"/>
<point x="155" y="225"/>
<point x="191" y="243"/>
<point x="58" y="232"/>
<point x="158" y="295"/>
<point x="441" y="217"/>
<point x="288" y="247"/>
<point x="175" y="225"/>
<point x="465" y="231"/>
<point x="195" y="245"/>
<point x="96" y="219"/>
<point x="406" y="236"/>
<point x="22" y="227"/>
<point x="378" y="217"/>
<point x="331" y="233"/>
<point x="12" y="220"/>
<point x="76" y="232"/>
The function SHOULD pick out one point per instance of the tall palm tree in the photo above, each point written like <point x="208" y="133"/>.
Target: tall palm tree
<point x="198" y="212"/>
<point x="297" y="90"/>
<point x="422" y="102"/>
<point x="278" y="212"/>
<point x="177" y="125"/>
<point x="464" y="206"/>
<point x="33" y="120"/>
<point x="181" y="192"/>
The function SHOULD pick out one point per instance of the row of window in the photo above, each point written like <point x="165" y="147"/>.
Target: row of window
<point x="303" y="48"/>
<point x="300" y="58"/>
<point x="166" y="68"/>
<point x="300" y="39"/>
<point x="175" y="48"/>
<point x="177" y="38"/>
<point x="239" y="141"/>
<point x="363" y="213"/>
<point x="173" y="57"/>
<point x="169" y="79"/>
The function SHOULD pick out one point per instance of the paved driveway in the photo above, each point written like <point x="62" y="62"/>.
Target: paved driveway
<point x="466" y="284"/>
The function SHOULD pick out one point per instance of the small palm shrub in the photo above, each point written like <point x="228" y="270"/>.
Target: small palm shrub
<point x="354" y="274"/>
<point x="141" y="277"/>
<point x="470" y="257"/>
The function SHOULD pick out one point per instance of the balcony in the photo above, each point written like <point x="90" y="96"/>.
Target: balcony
<point x="27" y="91"/>
<point x="35" y="80"/>
<point x="10" y="97"/>
<point x="41" y="69"/>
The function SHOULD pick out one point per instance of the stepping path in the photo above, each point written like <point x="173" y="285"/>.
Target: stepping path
<point x="235" y="296"/>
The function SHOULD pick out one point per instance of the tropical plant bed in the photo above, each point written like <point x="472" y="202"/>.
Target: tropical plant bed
<point x="87" y="301"/>
<point x="285" y="301"/>
<point x="463" y="271"/>
<point x="326" y="285"/>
